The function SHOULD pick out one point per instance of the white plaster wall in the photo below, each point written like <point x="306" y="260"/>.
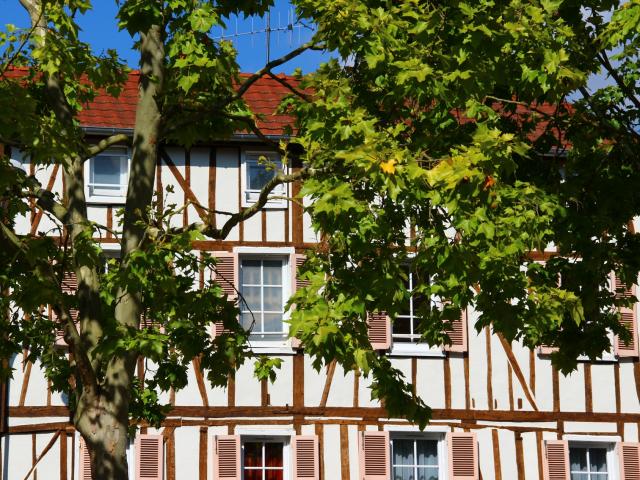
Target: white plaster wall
<point x="456" y="366"/>
<point x="281" y="391"/>
<point x="199" y="161"/>
<point x="485" y="453"/>
<point x="530" y="449"/>
<point x="430" y="381"/>
<point x="341" y="392"/>
<point x="275" y="225"/>
<point x="477" y="364"/>
<point x="168" y="178"/>
<point x="248" y="391"/>
<point x="227" y="187"/>
<point x="332" y="452"/>
<point x="572" y="394"/>
<point x="507" y="453"/>
<point x="313" y="383"/>
<point x="602" y="379"/>
<point x="629" y="401"/>
<point x="187" y="452"/>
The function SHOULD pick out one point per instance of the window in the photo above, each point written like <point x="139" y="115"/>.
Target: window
<point x="405" y="326"/>
<point x="405" y="331"/>
<point x="264" y="288"/>
<point x="259" y="168"/>
<point x="263" y="460"/>
<point x="589" y="462"/>
<point x="108" y="175"/>
<point x="414" y="459"/>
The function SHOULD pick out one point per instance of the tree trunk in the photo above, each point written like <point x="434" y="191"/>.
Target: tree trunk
<point x="103" y="426"/>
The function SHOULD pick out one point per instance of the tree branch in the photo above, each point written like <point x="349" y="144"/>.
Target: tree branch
<point x="290" y="87"/>
<point x="251" y="123"/>
<point x="104" y="144"/>
<point x="273" y="64"/>
<point x="263" y="198"/>
<point x="71" y="333"/>
<point x="604" y="61"/>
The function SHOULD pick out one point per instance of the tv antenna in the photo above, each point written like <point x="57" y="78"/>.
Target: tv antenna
<point x="290" y="29"/>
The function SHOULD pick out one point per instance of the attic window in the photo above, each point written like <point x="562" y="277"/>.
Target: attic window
<point x="259" y="168"/>
<point x="108" y="176"/>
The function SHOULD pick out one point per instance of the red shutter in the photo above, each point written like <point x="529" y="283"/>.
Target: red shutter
<point x="556" y="460"/>
<point x="305" y="457"/>
<point x="629" y="460"/>
<point x="226" y="457"/>
<point x="458" y="334"/>
<point x="627" y="319"/>
<point x="379" y="330"/>
<point x="463" y="456"/>
<point x="226" y="274"/>
<point x="149" y="457"/>
<point x="84" y="461"/>
<point x="374" y="456"/>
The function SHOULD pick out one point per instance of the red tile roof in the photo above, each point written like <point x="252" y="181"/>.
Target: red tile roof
<point x="263" y="97"/>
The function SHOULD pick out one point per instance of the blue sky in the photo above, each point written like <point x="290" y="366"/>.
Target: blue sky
<point x="99" y="29"/>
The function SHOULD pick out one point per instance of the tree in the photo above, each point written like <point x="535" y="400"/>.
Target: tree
<point x="445" y="129"/>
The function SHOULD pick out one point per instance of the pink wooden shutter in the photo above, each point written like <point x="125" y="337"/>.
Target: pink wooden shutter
<point x="149" y="457"/>
<point x="629" y="460"/>
<point x="69" y="286"/>
<point x="226" y="457"/>
<point x="379" y="330"/>
<point x="305" y="457"/>
<point x="374" y="456"/>
<point x="84" y="461"/>
<point x="458" y="334"/>
<point x="463" y="456"/>
<point x="627" y="318"/>
<point x="298" y="259"/>
<point x="226" y="274"/>
<point x="556" y="460"/>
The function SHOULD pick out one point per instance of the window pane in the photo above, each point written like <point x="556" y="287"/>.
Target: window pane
<point x="106" y="169"/>
<point x="252" y="475"/>
<point x="251" y="297"/>
<point x="402" y="325"/>
<point x="250" y="272"/>
<point x="272" y="272"/>
<point x="598" y="459"/>
<point x="428" y="473"/>
<point x="272" y="299"/>
<point x="252" y="454"/>
<point x="259" y="176"/>
<point x="274" y="475"/>
<point x="427" y="452"/>
<point x="403" y="452"/>
<point x="579" y="476"/>
<point x="273" y="322"/>
<point x="273" y="454"/>
<point x="403" y="473"/>
<point x="578" y="459"/>
<point x="246" y="319"/>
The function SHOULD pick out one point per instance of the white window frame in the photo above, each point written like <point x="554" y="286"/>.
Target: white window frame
<point x="276" y="437"/>
<point x="125" y="163"/>
<point x="587" y="442"/>
<point x="411" y="434"/>
<point x="281" y="345"/>
<point x="249" y="197"/>
<point x="414" y="349"/>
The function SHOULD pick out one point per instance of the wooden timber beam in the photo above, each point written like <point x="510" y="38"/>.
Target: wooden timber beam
<point x="368" y="413"/>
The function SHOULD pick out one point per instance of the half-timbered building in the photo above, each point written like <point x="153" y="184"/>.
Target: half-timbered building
<point x="500" y="411"/>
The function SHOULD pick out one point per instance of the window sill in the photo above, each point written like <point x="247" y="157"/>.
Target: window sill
<point x="251" y="196"/>
<point x="399" y="350"/>
<point x="272" y="348"/>
<point x="104" y="200"/>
